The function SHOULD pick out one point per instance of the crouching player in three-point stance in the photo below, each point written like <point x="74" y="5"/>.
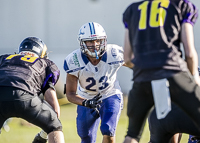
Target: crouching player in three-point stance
<point x="93" y="69"/>
<point x="23" y="77"/>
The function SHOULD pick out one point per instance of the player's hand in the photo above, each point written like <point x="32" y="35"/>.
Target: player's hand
<point x="195" y="138"/>
<point x="197" y="80"/>
<point x="92" y="103"/>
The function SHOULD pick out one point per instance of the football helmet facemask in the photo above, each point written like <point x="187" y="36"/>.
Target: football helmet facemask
<point x="89" y="32"/>
<point x="33" y="46"/>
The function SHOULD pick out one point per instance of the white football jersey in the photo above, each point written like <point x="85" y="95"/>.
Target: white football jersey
<point x="100" y="78"/>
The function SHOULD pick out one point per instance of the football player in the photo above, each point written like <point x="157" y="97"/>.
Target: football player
<point x="175" y="123"/>
<point x="91" y="83"/>
<point x="23" y="77"/>
<point x="154" y="31"/>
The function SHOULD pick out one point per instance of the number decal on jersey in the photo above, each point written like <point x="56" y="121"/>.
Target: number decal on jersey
<point x="11" y="56"/>
<point x="26" y="58"/>
<point x="93" y="82"/>
<point x="29" y="59"/>
<point x="157" y="13"/>
<point x="102" y="80"/>
<point x="143" y="15"/>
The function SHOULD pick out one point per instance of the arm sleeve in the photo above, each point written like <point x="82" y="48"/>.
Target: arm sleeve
<point x="70" y="67"/>
<point x="190" y="13"/>
<point x="121" y="55"/>
<point x="2" y="58"/>
<point x="48" y="85"/>
<point x="126" y="16"/>
<point x="52" y="77"/>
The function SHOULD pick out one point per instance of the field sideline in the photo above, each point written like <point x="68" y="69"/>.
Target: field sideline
<point x="22" y="132"/>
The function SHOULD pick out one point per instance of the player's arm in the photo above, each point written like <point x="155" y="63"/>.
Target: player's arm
<point x="51" y="98"/>
<point x="48" y="87"/>
<point x="71" y="87"/>
<point x="128" y="52"/>
<point x="176" y="138"/>
<point x="191" y="57"/>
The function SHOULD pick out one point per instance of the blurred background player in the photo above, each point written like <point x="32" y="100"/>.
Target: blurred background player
<point x="175" y="122"/>
<point x="172" y="126"/>
<point x="23" y="77"/>
<point x="154" y="30"/>
<point x="91" y="83"/>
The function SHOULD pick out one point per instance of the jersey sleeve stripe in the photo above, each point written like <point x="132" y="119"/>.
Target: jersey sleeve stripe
<point x="65" y="66"/>
<point x="74" y="70"/>
<point x="116" y="62"/>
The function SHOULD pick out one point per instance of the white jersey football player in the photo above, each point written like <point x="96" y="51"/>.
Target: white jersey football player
<point x="91" y="83"/>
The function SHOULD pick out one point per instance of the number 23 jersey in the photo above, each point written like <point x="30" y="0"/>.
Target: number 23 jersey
<point x="100" y="78"/>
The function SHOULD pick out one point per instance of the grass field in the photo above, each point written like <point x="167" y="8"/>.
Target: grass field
<point x="20" y="133"/>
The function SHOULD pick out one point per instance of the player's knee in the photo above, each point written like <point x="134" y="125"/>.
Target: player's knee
<point x="83" y="133"/>
<point x="131" y="134"/>
<point x="86" y="137"/>
<point x="53" y="127"/>
<point x="107" y="130"/>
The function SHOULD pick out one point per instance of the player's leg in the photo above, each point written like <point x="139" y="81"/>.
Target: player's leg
<point x="7" y="106"/>
<point x="176" y="121"/>
<point x="41" y="114"/>
<point x="186" y="94"/>
<point x="110" y="112"/>
<point x="87" y="124"/>
<point x="56" y="137"/>
<point x="4" y="112"/>
<point x="161" y="130"/>
<point x="140" y="102"/>
<point x="130" y="140"/>
<point x="108" y="139"/>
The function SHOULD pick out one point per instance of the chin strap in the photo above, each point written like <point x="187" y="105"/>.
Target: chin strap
<point x="97" y="57"/>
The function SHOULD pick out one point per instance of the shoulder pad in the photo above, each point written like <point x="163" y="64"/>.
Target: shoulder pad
<point x="115" y="51"/>
<point x="73" y="61"/>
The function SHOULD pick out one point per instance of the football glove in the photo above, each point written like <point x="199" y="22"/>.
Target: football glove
<point x="195" y="138"/>
<point x="92" y="103"/>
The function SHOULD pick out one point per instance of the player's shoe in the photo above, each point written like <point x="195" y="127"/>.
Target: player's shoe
<point x="39" y="139"/>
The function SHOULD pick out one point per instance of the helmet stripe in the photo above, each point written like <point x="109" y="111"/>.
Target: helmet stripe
<point x="92" y="30"/>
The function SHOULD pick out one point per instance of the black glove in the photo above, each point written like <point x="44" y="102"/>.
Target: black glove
<point x="195" y="138"/>
<point x="92" y="103"/>
<point x="95" y="112"/>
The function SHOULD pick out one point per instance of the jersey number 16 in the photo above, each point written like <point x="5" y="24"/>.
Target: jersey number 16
<point x="157" y="13"/>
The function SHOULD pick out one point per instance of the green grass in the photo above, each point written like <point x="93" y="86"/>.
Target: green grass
<point x="25" y="133"/>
